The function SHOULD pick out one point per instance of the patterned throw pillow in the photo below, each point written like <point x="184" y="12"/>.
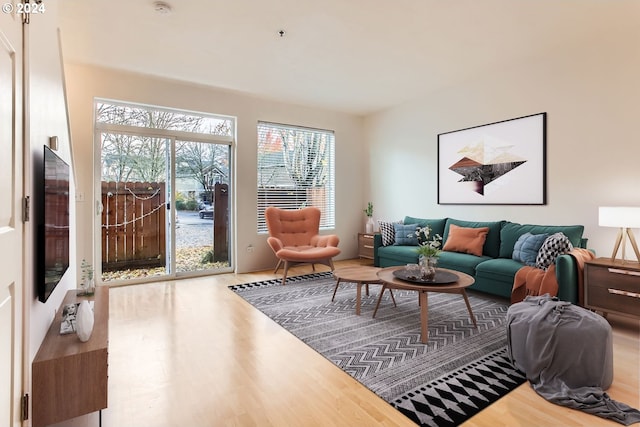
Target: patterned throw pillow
<point x="388" y="232"/>
<point x="406" y="234"/>
<point x="527" y="247"/>
<point x="555" y="245"/>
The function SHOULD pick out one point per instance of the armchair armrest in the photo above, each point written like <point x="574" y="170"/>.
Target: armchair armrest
<point x="275" y="243"/>
<point x="325" y="241"/>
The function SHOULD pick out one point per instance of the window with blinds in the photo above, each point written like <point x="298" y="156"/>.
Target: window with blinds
<point x="296" y="169"/>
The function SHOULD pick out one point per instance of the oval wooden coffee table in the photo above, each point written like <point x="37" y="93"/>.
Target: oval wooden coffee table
<point x="390" y="281"/>
<point x="360" y="275"/>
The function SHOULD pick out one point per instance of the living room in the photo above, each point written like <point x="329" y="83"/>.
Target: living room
<point x="585" y="81"/>
<point x="585" y="86"/>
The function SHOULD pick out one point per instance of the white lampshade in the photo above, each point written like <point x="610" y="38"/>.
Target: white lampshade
<point x="625" y="217"/>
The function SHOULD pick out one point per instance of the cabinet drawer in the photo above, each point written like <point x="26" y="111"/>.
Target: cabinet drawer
<point x="604" y="277"/>
<point x="365" y="245"/>
<point x="613" y="289"/>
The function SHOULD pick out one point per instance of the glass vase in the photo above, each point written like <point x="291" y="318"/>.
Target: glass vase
<point x="428" y="268"/>
<point x="88" y="287"/>
<point x="369" y="225"/>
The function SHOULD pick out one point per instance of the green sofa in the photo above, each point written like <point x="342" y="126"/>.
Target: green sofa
<point x="495" y="270"/>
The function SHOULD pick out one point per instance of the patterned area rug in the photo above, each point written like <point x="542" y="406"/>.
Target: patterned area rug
<point x="459" y="372"/>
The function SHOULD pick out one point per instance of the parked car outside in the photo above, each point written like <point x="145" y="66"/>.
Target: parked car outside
<point x="202" y="204"/>
<point x="207" y="212"/>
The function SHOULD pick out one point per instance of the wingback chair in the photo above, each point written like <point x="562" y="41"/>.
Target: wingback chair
<point x="295" y="239"/>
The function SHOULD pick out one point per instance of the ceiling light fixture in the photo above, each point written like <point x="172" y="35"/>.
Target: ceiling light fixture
<point x="162" y="8"/>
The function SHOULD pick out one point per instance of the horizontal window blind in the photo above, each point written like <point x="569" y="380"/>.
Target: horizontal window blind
<point x="295" y="170"/>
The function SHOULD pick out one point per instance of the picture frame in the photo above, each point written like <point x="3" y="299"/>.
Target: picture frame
<point x="68" y="323"/>
<point x="501" y="163"/>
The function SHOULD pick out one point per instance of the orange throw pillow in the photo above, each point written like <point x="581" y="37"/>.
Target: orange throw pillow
<point x="466" y="240"/>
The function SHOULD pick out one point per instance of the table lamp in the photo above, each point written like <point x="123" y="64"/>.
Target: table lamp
<point x="625" y="218"/>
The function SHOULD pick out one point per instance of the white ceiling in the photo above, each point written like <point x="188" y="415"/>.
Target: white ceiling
<point x="357" y="56"/>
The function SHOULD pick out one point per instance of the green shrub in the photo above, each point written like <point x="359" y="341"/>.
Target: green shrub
<point x="191" y="205"/>
<point x="207" y="257"/>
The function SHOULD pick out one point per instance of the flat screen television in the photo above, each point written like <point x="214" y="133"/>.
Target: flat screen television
<point x="53" y="223"/>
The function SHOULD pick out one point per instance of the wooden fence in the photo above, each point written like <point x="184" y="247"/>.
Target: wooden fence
<point x="133" y="225"/>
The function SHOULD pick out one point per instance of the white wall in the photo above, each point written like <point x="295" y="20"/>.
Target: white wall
<point x="46" y="117"/>
<point x="591" y="98"/>
<point x="85" y="83"/>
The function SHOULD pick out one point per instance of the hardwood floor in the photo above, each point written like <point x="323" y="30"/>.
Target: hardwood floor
<point x="192" y="353"/>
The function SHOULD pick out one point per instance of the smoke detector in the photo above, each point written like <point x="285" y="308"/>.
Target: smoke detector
<point x="162" y="8"/>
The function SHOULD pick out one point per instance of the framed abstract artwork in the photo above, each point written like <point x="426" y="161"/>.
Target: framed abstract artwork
<point x="502" y="163"/>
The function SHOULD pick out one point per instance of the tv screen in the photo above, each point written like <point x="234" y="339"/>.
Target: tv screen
<point x="53" y="223"/>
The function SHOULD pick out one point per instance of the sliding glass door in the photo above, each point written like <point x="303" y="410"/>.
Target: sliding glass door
<point x="202" y="204"/>
<point x="135" y="198"/>
<point x="163" y="195"/>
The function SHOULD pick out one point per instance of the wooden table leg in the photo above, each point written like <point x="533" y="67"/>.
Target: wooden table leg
<point x="358" y="295"/>
<point x="384" y="286"/>
<point x="393" y="298"/>
<point x="424" y="317"/>
<point x="466" y="301"/>
<point x="335" y="290"/>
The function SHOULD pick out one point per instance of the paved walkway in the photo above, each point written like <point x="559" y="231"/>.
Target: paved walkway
<point x="194" y="235"/>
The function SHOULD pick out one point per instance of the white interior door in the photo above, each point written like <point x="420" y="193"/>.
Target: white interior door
<point x="11" y="230"/>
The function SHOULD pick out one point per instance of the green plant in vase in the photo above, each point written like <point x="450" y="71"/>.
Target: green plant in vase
<point x="428" y="250"/>
<point x="369" y="213"/>
<point x="369" y="210"/>
<point x="88" y="284"/>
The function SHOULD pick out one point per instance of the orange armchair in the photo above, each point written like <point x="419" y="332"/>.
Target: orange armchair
<point x="295" y="239"/>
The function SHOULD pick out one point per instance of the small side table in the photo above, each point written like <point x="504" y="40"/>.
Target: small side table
<point x="612" y="286"/>
<point x="360" y="275"/>
<point x="365" y="245"/>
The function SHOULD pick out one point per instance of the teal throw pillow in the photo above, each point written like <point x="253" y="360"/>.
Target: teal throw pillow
<point x="406" y="234"/>
<point x="527" y="246"/>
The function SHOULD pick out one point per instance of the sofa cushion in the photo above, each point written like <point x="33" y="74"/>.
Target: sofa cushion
<point x="405" y="234"/>
<point x="465" y="263"/>
<point x="466" y="240"/>
<point x="501" y="270"/>
<point x="436" y="225"/>
<point x="511" y="231"/>
<point x="495" y="276"/>
<point x="397" y="255"/>
<point x="554" y="245"/>
<point x="527" y="247"/>
<point x="492" y="243"/>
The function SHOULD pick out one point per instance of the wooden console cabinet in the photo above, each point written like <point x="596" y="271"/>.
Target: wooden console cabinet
<point x="69" y="377"/>
<point x="612" y="286"/>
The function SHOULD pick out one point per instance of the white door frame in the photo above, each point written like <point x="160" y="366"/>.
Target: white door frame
<point x="14" y="352"/>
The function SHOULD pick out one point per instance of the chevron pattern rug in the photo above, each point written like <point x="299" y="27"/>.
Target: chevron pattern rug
<point x="459" y="372"/>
